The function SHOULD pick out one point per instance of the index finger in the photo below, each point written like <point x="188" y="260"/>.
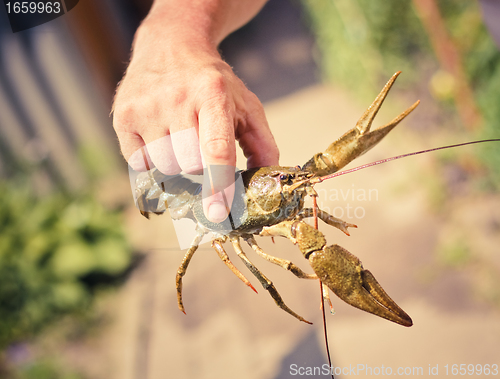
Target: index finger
<point x="217" y="142"/>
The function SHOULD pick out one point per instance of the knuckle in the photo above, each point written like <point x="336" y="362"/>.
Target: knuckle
<point x="217" y="83"/>
<point x="215" y="87"/>
<point x="178" y="98"/>
<point x="219" y="149"/>
<point x="124" y="115"/>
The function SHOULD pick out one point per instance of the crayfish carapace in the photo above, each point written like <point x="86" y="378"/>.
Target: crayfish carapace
<point x="272" y="204"/>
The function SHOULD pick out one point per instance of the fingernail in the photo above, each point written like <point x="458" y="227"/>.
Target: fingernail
<point x="217" y="212"/>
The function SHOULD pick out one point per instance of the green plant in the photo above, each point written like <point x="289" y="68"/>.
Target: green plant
<point x="363" y="42"/>
<point x="54" y="252"/>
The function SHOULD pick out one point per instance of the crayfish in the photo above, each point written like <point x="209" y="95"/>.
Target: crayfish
<point x="271" y="203"/>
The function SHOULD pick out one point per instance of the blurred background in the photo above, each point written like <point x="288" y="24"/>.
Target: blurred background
<point x="87" y="284"/>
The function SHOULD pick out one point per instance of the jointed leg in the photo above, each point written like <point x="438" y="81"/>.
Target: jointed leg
<point x="328" y="219"/>
<point x="326" y="297"/>
<point x="266" y="283"/>
<point x="217" y="245"/>
<point x="181" y="271"/>
<point x="287" y="265"/>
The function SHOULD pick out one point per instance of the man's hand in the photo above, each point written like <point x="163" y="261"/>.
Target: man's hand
<point x="184" y="102"/>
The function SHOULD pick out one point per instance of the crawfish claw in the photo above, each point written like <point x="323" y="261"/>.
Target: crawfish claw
<point x="344" y="274"/>
<point x="358" y="140"/>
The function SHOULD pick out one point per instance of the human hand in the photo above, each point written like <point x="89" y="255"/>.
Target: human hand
<point x="181" y="100"/>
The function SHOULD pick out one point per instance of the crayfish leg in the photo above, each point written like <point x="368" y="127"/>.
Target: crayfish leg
<point x="217" y="245"/>
<point x="326" y="298"/>
<point x="181" y="271"/>
<point x="266" y="283"/>
<point x="327" y="219"/>
<point x="283" y="263"/>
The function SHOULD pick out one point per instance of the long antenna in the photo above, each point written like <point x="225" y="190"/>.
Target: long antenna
<point x="322" y="302"/>
<point x="315" y="209"/>
<point x="323" y="178"/>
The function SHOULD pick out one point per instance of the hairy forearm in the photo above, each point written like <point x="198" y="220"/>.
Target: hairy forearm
<point x="204" y="21"/>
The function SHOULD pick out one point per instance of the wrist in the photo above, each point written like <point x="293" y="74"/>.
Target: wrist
<point x="161" y="38"/>
<point x="184" y="22"/>
<point x="158" y="47"/>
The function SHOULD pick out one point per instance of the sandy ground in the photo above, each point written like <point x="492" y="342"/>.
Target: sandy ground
<point x="231" y="332"/>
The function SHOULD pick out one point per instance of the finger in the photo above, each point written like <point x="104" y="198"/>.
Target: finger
<point x="218" y="192"/>
<point x="132" y="147"/>
<point x="186" y="146"/>
<point x="162" y="153"/>
<point x="256" y="139"/>
<point x="219" y="155"/>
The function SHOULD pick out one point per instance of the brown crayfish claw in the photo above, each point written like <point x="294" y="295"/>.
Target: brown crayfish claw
<point x="340" y="271"/>
<point x="358" y="140"/>
<point x="344" y="274"/>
